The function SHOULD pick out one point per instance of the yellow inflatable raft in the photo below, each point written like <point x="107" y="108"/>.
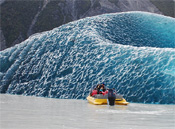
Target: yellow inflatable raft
<point x="101" y="99"/>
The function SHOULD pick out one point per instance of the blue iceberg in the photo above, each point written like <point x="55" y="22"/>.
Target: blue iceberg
<point x="133" y="52"/>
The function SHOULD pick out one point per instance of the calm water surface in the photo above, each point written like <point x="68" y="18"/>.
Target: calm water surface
<point x="26" y="112"/>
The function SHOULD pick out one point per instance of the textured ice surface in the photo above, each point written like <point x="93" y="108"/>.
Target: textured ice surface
<point x="132" y="52"/>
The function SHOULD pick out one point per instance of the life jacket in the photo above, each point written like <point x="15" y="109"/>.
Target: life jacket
<point x="105" y="92"/>
<point x="94" y="92"/>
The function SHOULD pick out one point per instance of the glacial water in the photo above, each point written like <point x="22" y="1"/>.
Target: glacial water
<point x="25" y="112"/>
<point x="133" y="52"/>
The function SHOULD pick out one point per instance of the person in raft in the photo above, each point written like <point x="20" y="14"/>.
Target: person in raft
<point x="100" y="88"/>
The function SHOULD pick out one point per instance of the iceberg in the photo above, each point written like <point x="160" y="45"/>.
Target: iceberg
<point x="133" y="52"/>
